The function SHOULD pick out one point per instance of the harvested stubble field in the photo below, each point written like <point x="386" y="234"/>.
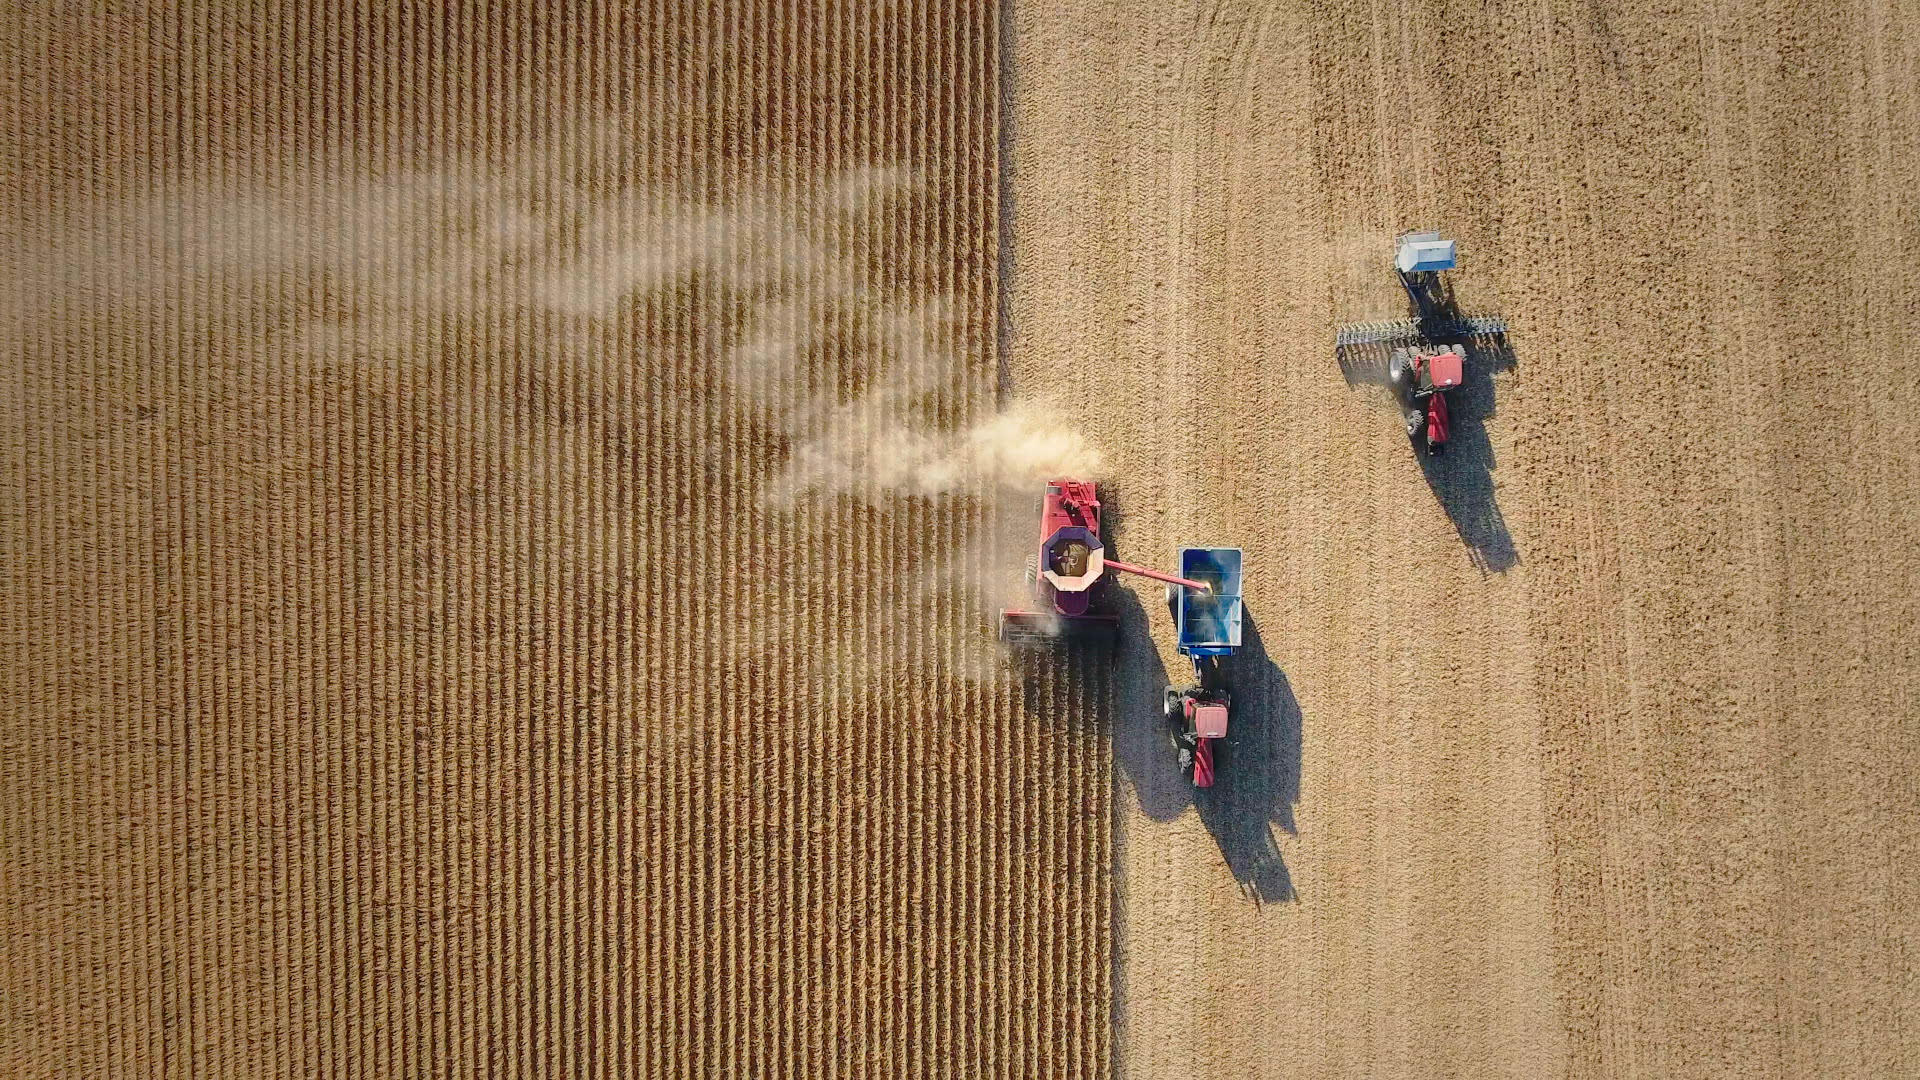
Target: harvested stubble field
<point x="1589" y="749"/>
<point x="504" y="511"/>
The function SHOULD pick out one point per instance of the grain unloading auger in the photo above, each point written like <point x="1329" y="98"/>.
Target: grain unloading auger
<point x="1070" y="563"/>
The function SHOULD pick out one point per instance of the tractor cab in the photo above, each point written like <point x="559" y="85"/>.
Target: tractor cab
<point x="1421" y="376"/>
<point x="1419" y="371"/>
<point x="1439" y="372"/>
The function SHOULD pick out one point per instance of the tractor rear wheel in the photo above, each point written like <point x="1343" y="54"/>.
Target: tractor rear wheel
<point x="1400" y="375"/>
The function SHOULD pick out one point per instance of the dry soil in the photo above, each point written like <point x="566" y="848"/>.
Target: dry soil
<point x="1587" y="750"/>
<point x="497" y="576"/>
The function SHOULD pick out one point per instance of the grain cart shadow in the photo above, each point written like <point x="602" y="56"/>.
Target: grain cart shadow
<point x="1257" y="771"/>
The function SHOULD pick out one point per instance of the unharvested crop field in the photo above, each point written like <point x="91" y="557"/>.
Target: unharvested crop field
<point x="505" y="508"/>
<point x="494" y="579"/>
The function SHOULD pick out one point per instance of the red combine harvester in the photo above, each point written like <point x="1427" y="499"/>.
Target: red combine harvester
<point x="1071" y="561"/>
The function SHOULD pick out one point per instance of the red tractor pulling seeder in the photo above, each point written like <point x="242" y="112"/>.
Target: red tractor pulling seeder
<point x="1420" y="378"/>
<point x="1425" y="353"/>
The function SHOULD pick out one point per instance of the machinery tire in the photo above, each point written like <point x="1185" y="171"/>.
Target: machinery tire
<point x="1400" y="376"/>
<point x="1170" y="704"/>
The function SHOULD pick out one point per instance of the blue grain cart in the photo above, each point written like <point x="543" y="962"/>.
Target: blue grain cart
<point x="1207" y="628"/>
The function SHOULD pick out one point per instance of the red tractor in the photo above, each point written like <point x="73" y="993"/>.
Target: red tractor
<point x="1207" y="630"/>
<point x="1070" y="562"/>
<point x="1421" y="377"/>
<point x="1198" y="716"/>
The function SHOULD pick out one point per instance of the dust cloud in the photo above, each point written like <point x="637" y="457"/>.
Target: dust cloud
<point x="874" y="391"/>
<point x="1012" y="451"/>
<point x="606" y="314"/>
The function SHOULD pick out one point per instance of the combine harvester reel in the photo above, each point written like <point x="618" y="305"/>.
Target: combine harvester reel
<point x="1423" y="357"/>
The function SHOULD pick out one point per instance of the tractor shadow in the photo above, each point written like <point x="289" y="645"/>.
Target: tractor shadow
<point x="1257" y="773"/>
<point x="1257" y="770"/>
<point x="1461" y="479"/>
